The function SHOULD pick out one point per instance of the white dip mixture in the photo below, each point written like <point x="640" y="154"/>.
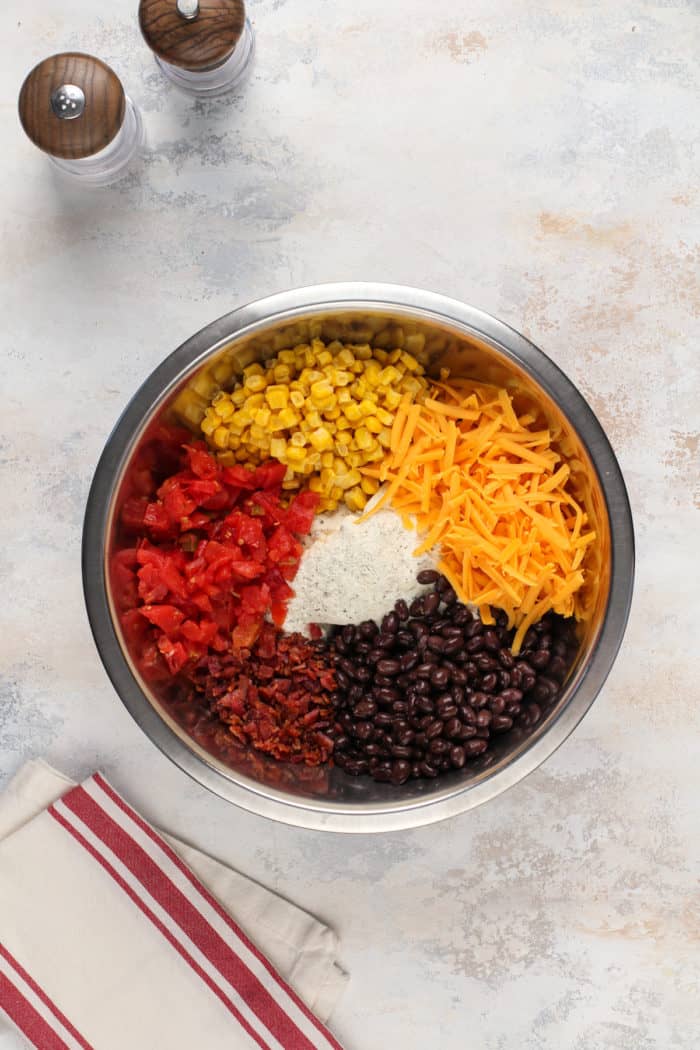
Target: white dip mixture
<point x="352" y="572"/>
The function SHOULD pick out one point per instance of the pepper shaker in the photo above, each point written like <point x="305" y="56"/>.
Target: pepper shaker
<point x="74" y="108"/>
<point x="203" y="46"/>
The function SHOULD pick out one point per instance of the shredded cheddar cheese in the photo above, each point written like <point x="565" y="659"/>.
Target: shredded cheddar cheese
<point x="491" y="493"/>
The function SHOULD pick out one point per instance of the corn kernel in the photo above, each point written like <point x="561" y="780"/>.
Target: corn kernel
<point x="324" y="358"/>
<point x="355" y="498"/>
<point x="314" y="420"/>
<point x="385" y="417"/>
<point x="390" y="375"/>
<point x="366" y="407"/>
<point x="384" y="437"/>
<point x="262" y="417"/>
<point x="277" y="396"/>
<point x="363" y="438"/>
<point x="254" y="402"/>
<point x="321" y="439"/>
<point x="224" y="407"/>
<point x="238" y="396"/>
<point x="345" y="357"/>
<point x="363" y="353"/>
<point x="288" y="418"/>
<point x="394" y="356"/>
<point x="343" y="424"/>
<point x="278" y="447"/>
<point x="380" y="355"/>
<point x="255" y="383"/>
<point x="321" y="390"/>
<point x="369" y="486"/>
<point x="295" y="455"/>
<point x="298" y="439"/>
<point x="392" y="399"/>
<point x="315" y="484"/>
<point x="255" y="369"/>
<point x="297" y="398"/>
<point x="374" y="425"/>
<point x="209" y="424"/>
<point x="220" y="437"/>
<point x="327" y="459"/>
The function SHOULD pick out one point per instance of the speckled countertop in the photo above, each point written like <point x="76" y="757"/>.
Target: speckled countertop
<point x="539" y="160"/>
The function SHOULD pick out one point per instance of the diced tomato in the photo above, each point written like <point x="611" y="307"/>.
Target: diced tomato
<point x="133" y="514"/>
<point x="167" y="617"/>
<point x="301" y="511"/>
<point x="175" y="654"/>
<point x="201" y="462"/>
<point x="270" y="475"/>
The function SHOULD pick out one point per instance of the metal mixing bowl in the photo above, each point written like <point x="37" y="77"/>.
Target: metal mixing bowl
<point x="470" y="343"/>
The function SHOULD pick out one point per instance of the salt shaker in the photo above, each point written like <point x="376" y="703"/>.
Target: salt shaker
<point x="74" y="108"/>
<point x="203" y="46"/>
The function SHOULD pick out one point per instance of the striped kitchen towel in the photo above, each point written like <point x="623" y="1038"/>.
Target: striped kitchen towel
<point x="114" y="937"/>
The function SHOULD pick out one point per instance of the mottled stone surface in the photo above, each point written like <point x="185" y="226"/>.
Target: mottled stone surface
<point x="541" y="161"/>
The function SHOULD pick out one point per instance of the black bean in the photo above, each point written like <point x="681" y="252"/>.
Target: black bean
<point x="440" y="677"/>
<point x="431" y="603"/>
<point x="428" y="577"/>
<point x="474" y="747"/>
<point x="400" y="771"/>
<point x="474" y="645"/>
<point x="427" y="770"/>
<point x="416" y="607"/>
<point x="461" y="615"/>
<point x="367" y="629"/>
<point x="453" y="646"/>
<point x="434" y="729"/>
<point x="363" y="674"/>
<point x="399" y="751"/>
<point x="401" y="610"/>
<point x="404" y="737"/>
<point x="364" y="709"/>
<point x="485" y="663"/>
<point x="440" y="624"/>
<point x="438" y="746"/>
<point x="356" y="767"/>
<point x="348" y="633"/>
<point x="418" y="628"/>
<point x="557" y="669"/>
<point x="457" y="757"/>
<point x="442" y="584"/>
<point x="480" y="699"/>
<point x="483" y="718"/>
<point x="382" y="774"/>
<point x="388" y="668"/>
<point x="501" y="723"/>
<point x="497" y="705"/>
<point x="383" y="718"/>
<point x="390" y="623"/>
<point x="466" y="732"/>
<point x="489" y="682"/>
<point x="399" y="707"/>
<point x="491" y="641"/>
<point x="408" y="661"/>
<point x="540" y="659"/>
<point x="436" y="643"/>
<point x="405" y="639"/>
<point x="473" y="628"/>
<point x="426" y="705"/>
<point x="453" y="727"/>
<point x="449" y="596"/>
<point x="506" y="659"/>
<point x="385" y="695"/>
<point x="467" y="714"/>
<point x="364" y="730"/>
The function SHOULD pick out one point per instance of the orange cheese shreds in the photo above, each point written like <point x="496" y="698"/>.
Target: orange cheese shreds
<point x="490" y="491"/>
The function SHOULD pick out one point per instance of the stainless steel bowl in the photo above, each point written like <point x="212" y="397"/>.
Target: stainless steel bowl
<point x="471" y="343"/>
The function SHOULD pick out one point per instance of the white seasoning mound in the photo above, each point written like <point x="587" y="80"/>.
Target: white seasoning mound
<point x="352" y="572"/>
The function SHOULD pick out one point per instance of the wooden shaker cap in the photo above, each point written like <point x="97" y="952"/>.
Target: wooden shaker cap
<point x="195" y="35"/>
<point x="79" y="120"/>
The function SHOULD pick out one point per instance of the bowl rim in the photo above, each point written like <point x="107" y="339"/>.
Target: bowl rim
<point x="284" y="307"/>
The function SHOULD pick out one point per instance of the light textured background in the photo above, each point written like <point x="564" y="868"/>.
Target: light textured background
<point x="539" y="160"/>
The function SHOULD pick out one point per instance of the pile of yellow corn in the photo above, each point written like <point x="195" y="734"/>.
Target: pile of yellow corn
<point x="323" y="410"/>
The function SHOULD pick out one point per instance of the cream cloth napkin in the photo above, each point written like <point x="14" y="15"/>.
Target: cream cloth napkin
<point x="99" y="916"/>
